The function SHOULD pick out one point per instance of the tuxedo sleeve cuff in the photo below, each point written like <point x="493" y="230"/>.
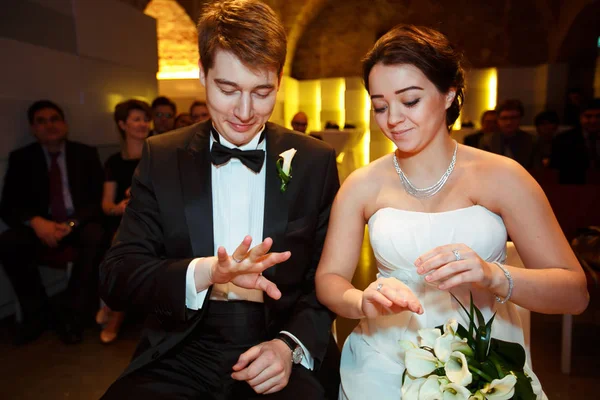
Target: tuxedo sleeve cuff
<point x="193" y="299"/>
<point x="307" y="361"/>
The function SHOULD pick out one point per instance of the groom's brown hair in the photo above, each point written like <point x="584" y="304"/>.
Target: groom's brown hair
<point x="247" y="28"/>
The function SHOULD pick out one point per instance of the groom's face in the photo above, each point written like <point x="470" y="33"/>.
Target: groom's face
<point x="240" y="100"/>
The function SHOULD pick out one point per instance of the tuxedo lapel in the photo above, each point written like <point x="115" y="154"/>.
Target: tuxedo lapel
<point x="276" y="202"/>
<point x="195" y="175"/>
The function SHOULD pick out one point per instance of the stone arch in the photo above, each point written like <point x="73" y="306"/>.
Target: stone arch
<point x="177" y="39"/>
<point x="577" y="45"/>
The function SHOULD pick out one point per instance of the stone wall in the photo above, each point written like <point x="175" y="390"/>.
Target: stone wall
<point x="491" y="34"/>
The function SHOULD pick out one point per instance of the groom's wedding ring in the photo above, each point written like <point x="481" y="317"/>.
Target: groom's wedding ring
<point x="237" y="261"/>
<point x="457" y="255"/>
<point x="379" y="286"/>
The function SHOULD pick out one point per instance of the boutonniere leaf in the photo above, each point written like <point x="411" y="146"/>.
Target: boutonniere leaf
<point x="284" y="168"/>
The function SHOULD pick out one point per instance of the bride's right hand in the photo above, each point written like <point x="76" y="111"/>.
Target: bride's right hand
<point x="388" y="296"/>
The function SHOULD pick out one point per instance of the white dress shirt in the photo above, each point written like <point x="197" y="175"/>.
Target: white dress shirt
<point x="238" y="198"/>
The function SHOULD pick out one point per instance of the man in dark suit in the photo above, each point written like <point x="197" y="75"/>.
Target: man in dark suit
<point x="511" y="141"/>
<point x="222" y="236"/>
<point x="576" y="151"/>
<point x="51" y="202"/>
<point x="482" y="138"/>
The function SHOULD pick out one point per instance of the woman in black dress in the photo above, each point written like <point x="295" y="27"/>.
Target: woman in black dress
<point x="133" y="121"/>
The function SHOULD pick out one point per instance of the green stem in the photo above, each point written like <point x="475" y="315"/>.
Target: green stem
<point x="480" y="373"/>
<point x="496" y="362"/>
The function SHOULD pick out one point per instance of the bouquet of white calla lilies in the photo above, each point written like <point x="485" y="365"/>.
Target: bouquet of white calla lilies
<point x="451" y="362"/>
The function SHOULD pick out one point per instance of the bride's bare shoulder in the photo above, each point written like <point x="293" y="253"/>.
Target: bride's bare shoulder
<point x="489" y="169"/>
<point x="365" y="182"/>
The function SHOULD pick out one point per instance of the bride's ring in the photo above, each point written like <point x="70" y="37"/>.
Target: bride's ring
<point x="379" y="286"/>
<point x="457" y="255"/>
<point x="237" y="261"/>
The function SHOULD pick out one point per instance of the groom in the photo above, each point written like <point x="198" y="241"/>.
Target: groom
<point x="214" y="246"/>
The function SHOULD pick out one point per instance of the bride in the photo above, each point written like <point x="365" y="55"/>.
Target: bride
<point x="438" y="215"/>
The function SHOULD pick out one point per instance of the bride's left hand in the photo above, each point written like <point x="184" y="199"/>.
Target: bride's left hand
<point x="454" y="264"/>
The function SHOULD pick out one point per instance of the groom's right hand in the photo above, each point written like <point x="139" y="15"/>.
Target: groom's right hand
<point x="245" y="266"/>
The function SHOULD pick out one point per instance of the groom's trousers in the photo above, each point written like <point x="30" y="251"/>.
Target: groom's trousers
<point x="201" y="366"/>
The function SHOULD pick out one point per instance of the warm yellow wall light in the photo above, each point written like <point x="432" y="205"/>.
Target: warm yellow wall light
<point x="187" y="74"/>
<point x="492" y="88"/>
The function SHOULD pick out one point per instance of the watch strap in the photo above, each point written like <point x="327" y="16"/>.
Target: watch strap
<point x="291" y="343"/>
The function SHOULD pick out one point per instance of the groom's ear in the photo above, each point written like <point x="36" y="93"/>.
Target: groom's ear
<point x="202" y="74"/>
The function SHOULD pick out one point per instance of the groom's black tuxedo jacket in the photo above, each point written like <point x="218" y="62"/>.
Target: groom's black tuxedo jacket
<point x="169" y="221"/>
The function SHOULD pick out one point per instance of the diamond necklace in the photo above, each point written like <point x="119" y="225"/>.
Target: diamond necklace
<point x="428" y="191"/>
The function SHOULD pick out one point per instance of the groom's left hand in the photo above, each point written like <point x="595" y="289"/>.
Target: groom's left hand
<point x="266" y="367"/>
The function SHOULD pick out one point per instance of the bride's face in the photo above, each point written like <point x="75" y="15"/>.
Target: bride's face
<point x="408" y="107"/>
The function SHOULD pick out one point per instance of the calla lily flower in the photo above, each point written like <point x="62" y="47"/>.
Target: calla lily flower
<point x="457" y="369"/>
<point x="453" y="391"/>
<point x="477" y="396"/>
<point x="427" y="337"/>
<point x="406" y="345"/>
<point x="451" y="326"/>
<point x="500" y="389"/>
<point x="287" y="156"/>
<point x="443" y="345"/>
<point x="430" y="390"/>
<point x="463" y="347"/>
<point x="420" y="362"/>
<point x="411" y="388"/>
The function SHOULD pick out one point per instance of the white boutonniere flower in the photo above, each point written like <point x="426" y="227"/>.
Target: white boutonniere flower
<point x="284" y="167"/>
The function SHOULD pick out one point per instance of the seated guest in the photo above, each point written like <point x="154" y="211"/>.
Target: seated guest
<point x="163" y="115"/>
<point x="546" y="125"/>
<point x="511" y="141"/>
<point x="51" y="202"/>
<point x="199" y="111"/>
<point x="133" y="121"/>
<point x="573" y="103"/>
<point x="329" y="125"/>
<point x="482" y="139"/>
<point x="183" y="119"/>
<point x="577" y="150"/>
<point x="300" y="122"/>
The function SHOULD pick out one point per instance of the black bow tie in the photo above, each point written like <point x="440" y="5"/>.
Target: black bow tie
<point x="252" y="159"/>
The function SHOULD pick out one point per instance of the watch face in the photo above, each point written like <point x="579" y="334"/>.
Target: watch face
<point x="297" y="355"/>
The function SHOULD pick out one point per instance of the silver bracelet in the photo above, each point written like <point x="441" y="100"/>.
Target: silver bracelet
<point x="510" y="283"/>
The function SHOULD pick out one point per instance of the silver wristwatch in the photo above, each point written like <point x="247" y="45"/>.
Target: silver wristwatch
<point x="297" y="353"/>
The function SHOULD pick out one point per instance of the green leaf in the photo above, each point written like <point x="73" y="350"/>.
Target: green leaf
<point x="471" y="316"/>
<point x="480" y="319"/>
<point x="482" y="342"/>
<point x="468" y="335"/>
<point x="523" y="389"/>
<point x="489" y="368"/>
<point x="462" y="332"/>
<point x="511" y="355"/>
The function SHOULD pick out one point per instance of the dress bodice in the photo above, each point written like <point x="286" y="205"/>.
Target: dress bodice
<point x="399" y="237"/>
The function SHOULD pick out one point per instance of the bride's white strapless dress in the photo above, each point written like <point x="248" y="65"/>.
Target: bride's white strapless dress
<point x="372" y="361"/>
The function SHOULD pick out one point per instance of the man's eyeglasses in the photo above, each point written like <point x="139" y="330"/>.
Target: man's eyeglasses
<point x="162" y="114"/>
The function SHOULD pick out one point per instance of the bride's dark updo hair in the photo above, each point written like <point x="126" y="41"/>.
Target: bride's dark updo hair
<point x="429" y="51"/>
